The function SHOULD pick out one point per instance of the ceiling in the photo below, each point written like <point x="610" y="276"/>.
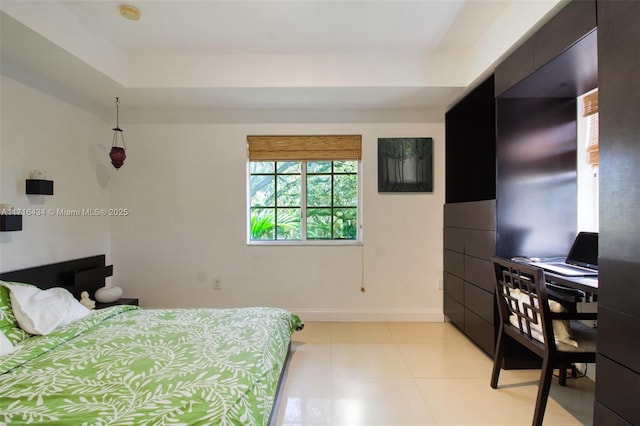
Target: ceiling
<point x="268" y="60"/>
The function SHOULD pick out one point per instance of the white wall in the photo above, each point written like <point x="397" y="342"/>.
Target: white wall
<point x="38" y="131"/>
<point x="185" y="189"/>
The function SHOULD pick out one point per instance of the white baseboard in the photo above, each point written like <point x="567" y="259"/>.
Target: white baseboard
<point x="370" y="315"/>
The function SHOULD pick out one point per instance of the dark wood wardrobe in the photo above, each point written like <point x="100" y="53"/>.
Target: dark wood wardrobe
<point x="491" y="208"/>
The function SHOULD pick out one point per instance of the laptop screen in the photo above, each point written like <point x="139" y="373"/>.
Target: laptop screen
<point x="584" y="251"/>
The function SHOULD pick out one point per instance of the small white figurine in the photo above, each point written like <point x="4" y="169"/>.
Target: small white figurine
<point x="86" y="301"/>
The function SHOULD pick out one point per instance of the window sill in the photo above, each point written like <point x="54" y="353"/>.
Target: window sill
<point x="283" y="243"/>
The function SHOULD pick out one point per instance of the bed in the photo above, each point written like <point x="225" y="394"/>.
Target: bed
<point x="124" y="365"/>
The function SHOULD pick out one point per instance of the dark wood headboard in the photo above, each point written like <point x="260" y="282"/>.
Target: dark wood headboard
<point x="77" y="275"/>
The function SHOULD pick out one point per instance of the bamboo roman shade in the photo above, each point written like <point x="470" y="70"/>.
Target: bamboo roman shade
<point x="591" y="104"/>
<point x="302" y="148"/>
<point x="591" y="110"/>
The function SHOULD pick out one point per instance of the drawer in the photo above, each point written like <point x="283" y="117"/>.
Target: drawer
<point x="480" y="331"/>
<point x="604" y="416"/>
<point x="454" y="311"/>
<point x="481" y="302"/>
<point x="618" y="389"/>
<point x="616" y="291"/>
<point x="473" y="215"/>
<point x="619" y="337"/>
<point x="480" y="243"/>
<point x="454" y="263"/>
<point x="454" y="239"/>
<point x="454" y="287"/>
<point x="479" y="272"/>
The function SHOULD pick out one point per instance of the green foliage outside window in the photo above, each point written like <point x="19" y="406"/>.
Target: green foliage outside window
<point x="277" y="207"/>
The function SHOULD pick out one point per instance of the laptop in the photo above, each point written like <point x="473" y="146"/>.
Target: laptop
<point x="582" y="260"/>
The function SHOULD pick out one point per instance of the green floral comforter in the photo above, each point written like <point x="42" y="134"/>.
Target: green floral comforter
<point x="129" y="366"/>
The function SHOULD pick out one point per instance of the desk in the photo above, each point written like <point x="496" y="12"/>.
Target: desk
<point x="586" y="284"/>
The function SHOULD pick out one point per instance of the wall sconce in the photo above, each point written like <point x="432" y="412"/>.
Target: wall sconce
<point x="37" y="183"/>
<point x="9" y="221"/>
<point x="117" y="153"/>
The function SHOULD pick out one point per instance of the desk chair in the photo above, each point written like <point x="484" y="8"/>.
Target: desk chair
<point x="526" y="316"/>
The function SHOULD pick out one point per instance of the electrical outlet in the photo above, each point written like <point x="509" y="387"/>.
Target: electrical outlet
<point x="217" y="284"/>
<point x="440" y="285"/>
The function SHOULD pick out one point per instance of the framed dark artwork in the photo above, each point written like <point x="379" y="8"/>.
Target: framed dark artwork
<point x="405" y="165"/>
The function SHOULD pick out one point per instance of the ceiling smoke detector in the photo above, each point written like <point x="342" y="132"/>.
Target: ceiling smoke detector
<point x="130" y="12"/>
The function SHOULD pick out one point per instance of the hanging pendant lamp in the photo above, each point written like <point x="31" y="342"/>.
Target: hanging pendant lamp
<point x="117" y="153"/>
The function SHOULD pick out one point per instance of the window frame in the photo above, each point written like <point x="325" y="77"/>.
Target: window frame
<point x="303" y="210"/>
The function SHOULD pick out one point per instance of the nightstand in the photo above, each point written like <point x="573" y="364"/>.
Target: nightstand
<point x="122" y="301"/>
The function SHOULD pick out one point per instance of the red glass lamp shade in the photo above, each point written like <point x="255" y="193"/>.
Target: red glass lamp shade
<point x="117" y="156"/>
<point x="117" y="153"/>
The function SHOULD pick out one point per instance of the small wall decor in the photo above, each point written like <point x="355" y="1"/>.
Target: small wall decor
<point x="86" y="300"/>
<point x="405" y="165"/>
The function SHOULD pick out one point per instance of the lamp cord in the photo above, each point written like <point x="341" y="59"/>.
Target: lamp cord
<point x="117" y="130"/>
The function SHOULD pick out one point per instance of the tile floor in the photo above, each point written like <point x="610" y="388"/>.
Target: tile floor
<point x="398" y="374"/>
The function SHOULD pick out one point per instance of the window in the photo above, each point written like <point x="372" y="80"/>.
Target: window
<point x="304" y="188"/>
<point x="588" y="143"/>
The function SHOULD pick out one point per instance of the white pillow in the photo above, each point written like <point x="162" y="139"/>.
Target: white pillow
<point x="42" y="311"/>
<point x="561" y="328"/>
<point x="6" y="347"/>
